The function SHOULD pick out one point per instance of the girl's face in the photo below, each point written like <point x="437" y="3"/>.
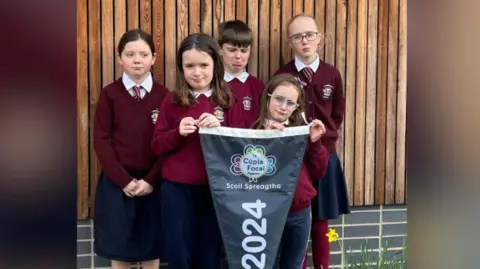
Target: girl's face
<point x="282" y="103"/>
<point x="136" y="59"/>
<point x="197" y="69"/>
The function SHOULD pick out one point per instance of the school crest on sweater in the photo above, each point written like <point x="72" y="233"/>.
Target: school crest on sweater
<point x="154" y="116"/>
<point x="218" y="113"/>
<point x="247" y="103"/>
<point x="327" y="91"/>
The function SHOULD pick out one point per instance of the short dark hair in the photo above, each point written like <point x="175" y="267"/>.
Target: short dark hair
<point x="235" y="33"/>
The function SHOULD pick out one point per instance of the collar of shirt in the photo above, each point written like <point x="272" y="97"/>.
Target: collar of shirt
<point x="207" y="94"/>
<point x="147" y="84"/>
<point x="272" y="121"/>
<point x="243" y="77"/>
<point x="300" y="65"/>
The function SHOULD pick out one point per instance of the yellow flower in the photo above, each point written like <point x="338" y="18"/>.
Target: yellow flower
<point x="332" y="235"/>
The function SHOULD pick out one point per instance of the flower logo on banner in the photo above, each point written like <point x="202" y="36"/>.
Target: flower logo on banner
<point x="253" y="163"/>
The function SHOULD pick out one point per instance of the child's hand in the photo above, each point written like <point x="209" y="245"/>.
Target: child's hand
<point x="207" y="120"/>
<point x="130" y="189"/>
<point x="272" y="125"/>
<point x="143" y="188"/>
<point x="187" y="126"/>
<point x="317" y="129"/>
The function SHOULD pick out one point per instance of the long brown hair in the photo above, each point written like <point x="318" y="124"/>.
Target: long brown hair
<point x="221" y="95"/>
<point x="282" y="79"/>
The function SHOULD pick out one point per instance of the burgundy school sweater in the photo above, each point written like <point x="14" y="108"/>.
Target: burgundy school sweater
<point x="122" y="132"/>
<point x="314" y="166"/>
<point x="325" y="99"/>
<point x="183" y="157"/>
<point x="249" y="95"/>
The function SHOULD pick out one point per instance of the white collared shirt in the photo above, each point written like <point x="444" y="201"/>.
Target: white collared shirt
<point x="300" y="65"/>
<point x="243" y="77"/>
<point x="207" y="94"/>
<point x="145" y="86"/>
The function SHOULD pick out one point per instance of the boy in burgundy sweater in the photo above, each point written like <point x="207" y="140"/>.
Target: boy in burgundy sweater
<point x="235" y="40"/>
<point x="282" y="106"/>
<point x="127" y="212"/>
<point x="325" y="100"/>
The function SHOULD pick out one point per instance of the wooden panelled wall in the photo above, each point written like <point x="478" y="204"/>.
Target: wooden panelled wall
<point x="365" y="40"/>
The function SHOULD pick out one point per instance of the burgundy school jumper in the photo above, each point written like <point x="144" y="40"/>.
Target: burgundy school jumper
<point x="123" y="130"/>
<point x="184" y="161"/>
<point x="249" y="94"/>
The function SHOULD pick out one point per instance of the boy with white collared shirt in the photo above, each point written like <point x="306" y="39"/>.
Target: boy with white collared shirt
<point x="235" y="40"/>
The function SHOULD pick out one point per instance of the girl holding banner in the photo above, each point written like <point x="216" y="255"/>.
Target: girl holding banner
<point x="201" y="99"/>
<point x="282" y="105"/>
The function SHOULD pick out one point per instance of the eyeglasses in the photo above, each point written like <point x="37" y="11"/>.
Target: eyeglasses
<point x="309" y="36"/>
<point x="280" y="100"/>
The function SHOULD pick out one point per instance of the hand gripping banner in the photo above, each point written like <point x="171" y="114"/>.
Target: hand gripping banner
<point x="252" y="176"/>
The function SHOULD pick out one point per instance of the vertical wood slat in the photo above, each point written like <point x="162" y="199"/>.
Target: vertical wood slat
<point x="193" y="16"/>
<point x="158" y="39"/>
<point x="297" y="7"/>
<point x="82" y="110"/>
<point x="206" y="16"/>
<point x="241" y="11"/>
<point x="286" y="16"/>
<point x="275" y="34"/>
<point x="371" y="60"/>
<point x="360" y="84"/>
<point x="120" y="26"/>
<point x="391" y="101"/>
<point x="371" y="102"/>
<point x="229" y="10"/>
<point x="380" y="127"/>
<point x="146" y="15"/>
<point x="330" y="7"/>
<point x="133" y="11"/>
<point x="264" y="41"/>
<point x="253" y="18"/>
<point x="217" y="16"/>
<point x="171" y="45"/>
<point x="340" y="54"/>
<point x="400" y="195"/>
<point x="350" y="101"/>
<point x="309" y="7"/>
<point x="320" y="19"/>
<point x="182" y="21"/>
<point x="95" y="85"/>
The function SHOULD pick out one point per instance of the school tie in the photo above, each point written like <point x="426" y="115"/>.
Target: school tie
<point x="136" y="93"/>
<point x="308" y="73"/>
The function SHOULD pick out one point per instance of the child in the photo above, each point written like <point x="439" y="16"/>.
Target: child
<point x="127" y="201"/>
<point x="235" y="40"/>
<point x="325" y="100"/>
<point x="201" y="99"/>
<point x="282" y="106"/>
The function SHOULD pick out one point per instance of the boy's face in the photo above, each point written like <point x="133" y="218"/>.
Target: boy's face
<point x="304" y="38"/>
<point x="234" y="58"/>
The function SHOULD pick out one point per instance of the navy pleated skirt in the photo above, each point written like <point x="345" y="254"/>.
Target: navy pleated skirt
<point x="332" y="196"/>
<point x="127" y="228"/>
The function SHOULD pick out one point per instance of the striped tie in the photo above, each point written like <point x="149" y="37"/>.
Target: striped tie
<point x="136" y="93"/>
<point x="308" y="73"/>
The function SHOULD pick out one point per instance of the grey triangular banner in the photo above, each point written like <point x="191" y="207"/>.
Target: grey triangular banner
<point x="252" y="176"/>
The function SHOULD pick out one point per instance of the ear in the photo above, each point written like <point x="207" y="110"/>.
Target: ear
<point x="220" y="51"/>
<point x="154" y="58"/>
<point x="119" y="59"/>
